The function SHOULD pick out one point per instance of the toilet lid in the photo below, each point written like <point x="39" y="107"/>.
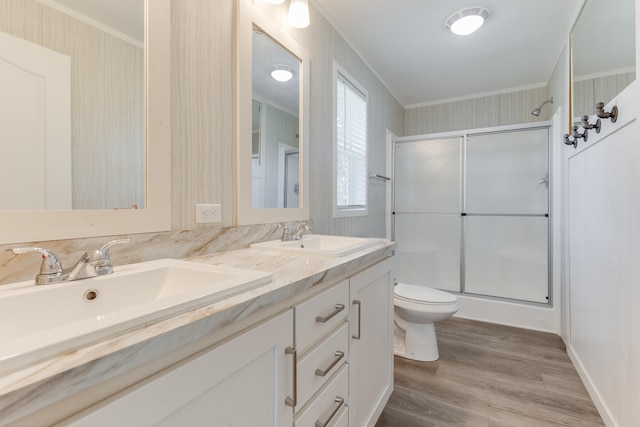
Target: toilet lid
<point x="423" y="294"/>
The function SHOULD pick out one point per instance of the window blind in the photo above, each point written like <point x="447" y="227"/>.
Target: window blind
<point x="351" y="146"/>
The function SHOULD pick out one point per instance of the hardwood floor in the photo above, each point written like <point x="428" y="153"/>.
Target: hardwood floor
<point x="490" y="375"/>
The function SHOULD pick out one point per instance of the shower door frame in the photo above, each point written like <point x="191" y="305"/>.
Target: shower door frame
<point x="463" y="134"/>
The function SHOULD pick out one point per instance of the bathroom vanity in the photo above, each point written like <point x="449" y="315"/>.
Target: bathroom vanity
<point x="313" y="347"/>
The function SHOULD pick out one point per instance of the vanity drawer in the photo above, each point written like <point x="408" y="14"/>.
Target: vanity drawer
<point x="329" y="406"/>
<point x="319" y="364"/>
<point x="320" y="314"/>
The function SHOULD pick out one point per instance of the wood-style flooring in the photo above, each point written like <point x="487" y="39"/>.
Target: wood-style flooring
<point x="490" y="375"/>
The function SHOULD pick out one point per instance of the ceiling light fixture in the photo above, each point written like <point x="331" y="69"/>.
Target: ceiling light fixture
<point x="281" y="73"/>
<point x="299" y="13"/>
<point x="466" y="21"/>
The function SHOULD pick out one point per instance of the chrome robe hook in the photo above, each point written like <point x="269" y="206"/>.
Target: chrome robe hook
<point x="613" y="114"/>
<point x="586" y="125"/>
<point x="576" y="136"/>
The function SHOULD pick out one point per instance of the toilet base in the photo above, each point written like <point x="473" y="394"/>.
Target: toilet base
<point x="416" y="342"/>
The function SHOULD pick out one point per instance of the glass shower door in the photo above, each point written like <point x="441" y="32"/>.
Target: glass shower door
<point x="427" y="221"/>
<point x="506" y="207"/>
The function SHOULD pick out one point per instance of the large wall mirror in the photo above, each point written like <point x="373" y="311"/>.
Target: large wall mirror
<point x="85" y="128"/>
<point x="603" y="53"/>
<point x="272" y="95"/>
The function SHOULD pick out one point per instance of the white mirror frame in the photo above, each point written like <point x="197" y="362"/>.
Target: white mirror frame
<point x="249" y="16"/>
<point x="30" y="226"/>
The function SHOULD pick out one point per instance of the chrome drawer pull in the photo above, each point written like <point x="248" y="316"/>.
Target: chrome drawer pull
<point x="338" y="356"/>
<point x="339" y="400"/>
<point x="293" y="401"/>
<point x="359" y="304"/>
<point x="321" y="319"/>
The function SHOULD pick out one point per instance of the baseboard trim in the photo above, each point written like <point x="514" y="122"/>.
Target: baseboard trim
<point x="607" y="418"/>
<point x="527" y="316"/>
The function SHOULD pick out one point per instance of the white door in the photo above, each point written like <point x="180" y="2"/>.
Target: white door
<point x="35" y="127"/>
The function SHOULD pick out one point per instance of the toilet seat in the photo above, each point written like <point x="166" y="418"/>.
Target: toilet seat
<point x="422" y="294"/>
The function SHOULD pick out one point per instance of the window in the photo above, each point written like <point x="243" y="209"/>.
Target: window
<point x="350" y="147"/>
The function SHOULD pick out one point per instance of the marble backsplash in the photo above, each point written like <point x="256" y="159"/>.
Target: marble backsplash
<point x="142" y="247"/>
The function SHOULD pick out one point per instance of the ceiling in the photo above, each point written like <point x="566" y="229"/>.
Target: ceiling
<point x="407" y="45"/>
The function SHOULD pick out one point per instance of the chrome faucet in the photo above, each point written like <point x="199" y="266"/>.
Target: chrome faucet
<point x="91" y="264"/>
<point x="300" y="230"/>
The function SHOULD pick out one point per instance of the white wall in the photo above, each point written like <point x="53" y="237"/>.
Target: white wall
<point x="602" y="260"/>
<point x="603" y="263"/>
<point x="488" y="111"/>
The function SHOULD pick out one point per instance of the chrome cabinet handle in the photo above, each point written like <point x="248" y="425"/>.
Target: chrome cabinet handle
<point x="293" y="401"/>
<point x="338" y="355"/>
<point x="324" y="319"/>
<point x="359" y="304"/>
<point x="339" y="401"/>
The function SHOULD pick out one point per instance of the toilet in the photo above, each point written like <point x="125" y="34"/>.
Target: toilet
<point x="416" y="309"/>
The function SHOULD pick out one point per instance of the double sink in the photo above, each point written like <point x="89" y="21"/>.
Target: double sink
<point x="40" y="322"/>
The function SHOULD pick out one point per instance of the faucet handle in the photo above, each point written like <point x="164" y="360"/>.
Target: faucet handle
<point x="100" y="258"/>
<point x="106" y="246"/>
<point x="286" y="234"/>
<point x="50" y="267"/>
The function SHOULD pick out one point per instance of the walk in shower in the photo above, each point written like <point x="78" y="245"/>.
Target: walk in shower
<point x="471" y="212"/>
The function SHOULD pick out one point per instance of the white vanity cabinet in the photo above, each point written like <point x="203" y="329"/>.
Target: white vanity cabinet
<point x="325" y="361"/>
<point x="371" y="349"/>
<point x="357" y="392"/>
<point x="243" y="381"/>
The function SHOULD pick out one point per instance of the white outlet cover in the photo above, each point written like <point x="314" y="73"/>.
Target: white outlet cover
<point x="208" y="213"/>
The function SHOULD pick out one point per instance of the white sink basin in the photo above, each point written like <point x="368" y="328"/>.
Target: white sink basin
<point x="319" y="244"/>
<point x="39" y="322"/>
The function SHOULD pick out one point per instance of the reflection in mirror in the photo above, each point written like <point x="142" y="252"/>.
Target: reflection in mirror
<point x="603" y="53"/>
<point x="73" y="114"/>
<point x="273" y="120"/>
<point x="44" y="225"/>
<point x="275" y="124"/>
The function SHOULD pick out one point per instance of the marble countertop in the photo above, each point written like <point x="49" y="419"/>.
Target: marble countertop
<point x="35" y="387"/>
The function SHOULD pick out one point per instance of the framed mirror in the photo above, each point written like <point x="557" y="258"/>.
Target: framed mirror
<point x="85" y="173"/>
<point x="272" y="100"/>
<point x="602" y="54"/>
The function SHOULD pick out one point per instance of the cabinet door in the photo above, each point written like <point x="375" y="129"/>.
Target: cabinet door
<point x="371" y="352"/>
<point x="242" y="382"/>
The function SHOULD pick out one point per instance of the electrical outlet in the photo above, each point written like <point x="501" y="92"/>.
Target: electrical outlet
<point x="208" y="213"/>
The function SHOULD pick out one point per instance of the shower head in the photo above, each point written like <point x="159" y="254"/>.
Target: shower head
<point x="536" y="111"/>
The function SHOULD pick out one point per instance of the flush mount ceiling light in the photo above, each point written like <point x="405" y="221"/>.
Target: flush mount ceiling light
<point x="299" y="13"/>
<point x="281" y="73"/>
<point x="468" y="20"/>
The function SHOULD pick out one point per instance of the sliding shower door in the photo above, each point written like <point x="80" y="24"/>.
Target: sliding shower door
<point x="427" y="221"/>
<point x="506" y="223"/>
<point x="471" y="213"/>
